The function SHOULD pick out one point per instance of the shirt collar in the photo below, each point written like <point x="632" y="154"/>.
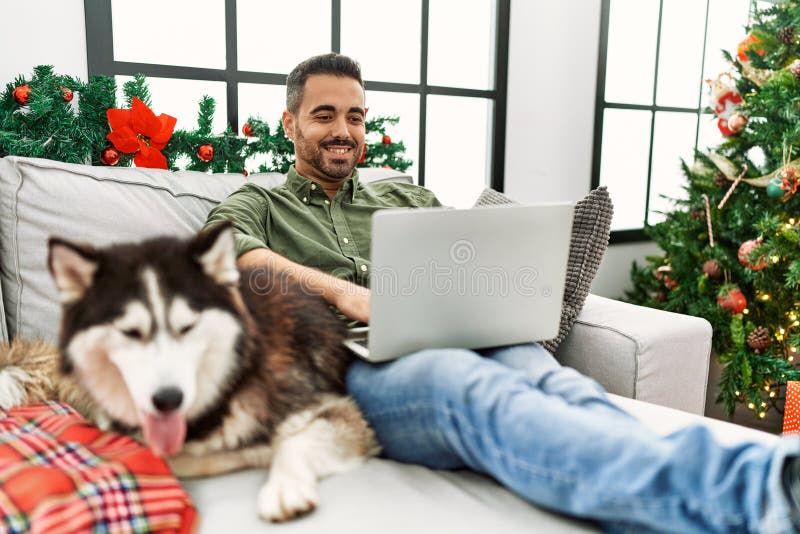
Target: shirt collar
<point x="300" y="185"/>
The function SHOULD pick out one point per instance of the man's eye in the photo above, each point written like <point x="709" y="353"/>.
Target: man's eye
<point x="356" y="120"/>
<point x="324" y="117"/>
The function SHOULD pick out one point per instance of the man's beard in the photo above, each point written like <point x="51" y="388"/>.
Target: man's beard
<point x="341" y="167"/>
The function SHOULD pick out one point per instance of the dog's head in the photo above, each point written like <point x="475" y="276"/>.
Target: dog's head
<point x="151" y="329"/>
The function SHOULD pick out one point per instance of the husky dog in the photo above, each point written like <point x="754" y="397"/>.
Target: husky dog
<point x="219" y="369"/>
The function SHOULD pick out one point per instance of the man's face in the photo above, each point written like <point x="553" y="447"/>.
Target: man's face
<point x="328" y="129"/>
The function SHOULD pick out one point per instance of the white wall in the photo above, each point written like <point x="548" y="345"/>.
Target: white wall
<point x="552" y="72"/>
<point x="551" y="94"/>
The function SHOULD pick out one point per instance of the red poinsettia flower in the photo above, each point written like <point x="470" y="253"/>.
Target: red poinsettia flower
<point x="138" y="131"/>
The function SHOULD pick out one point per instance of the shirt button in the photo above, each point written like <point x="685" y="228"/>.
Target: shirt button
<point x="364" y="268"/>
<point x="313" y="187"/>
<point x="327" y="201"/>
<point x="346" y="241"/>
<point x="305" y="199"/>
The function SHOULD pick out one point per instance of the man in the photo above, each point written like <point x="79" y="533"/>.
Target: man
<point x="546" y="432"/>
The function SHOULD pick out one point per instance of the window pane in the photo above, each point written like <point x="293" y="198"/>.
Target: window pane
<point x="262" y="101"/>
<point x="726" y="19"/>
<point x="630" y="60"/>
<point x="461" y="43"/>
<point x="405" y="106"/>
<point x="387" y="52"/>
<point x="681" y="53"/>
<point x="147" y="31"/>
<point x="673" y="139"/>
<point x="623" y="164"/>
<point x="709" y="135"/>
<point x="276" y="36"/>
<point x="181" y="99"/>
<point x="457" y="148"/>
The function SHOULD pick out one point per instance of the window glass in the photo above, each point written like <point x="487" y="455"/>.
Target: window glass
<point x="680" y="53"/>
<point x="457" y="148"/>
<point x="145" y="31"/>
<point x="181" y="99"/>
<point x="623" y="168"/>
<point x="673" y="139"/>
<point x="461" y="43"/>
<point x="630" y="63"/>
<point x="276" y="36"/>
<point x="263" y="101"/>
<point x="386" y="52"/>
<point x="405" y="106"/>
<point x="726" y="19"/>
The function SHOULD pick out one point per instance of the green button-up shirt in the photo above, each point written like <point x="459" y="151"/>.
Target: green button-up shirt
<point x="298" y="221"/>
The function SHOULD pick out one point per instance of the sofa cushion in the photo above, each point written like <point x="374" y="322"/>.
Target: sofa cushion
<point x="591" y="230"/>
<point x="97" y="205"/>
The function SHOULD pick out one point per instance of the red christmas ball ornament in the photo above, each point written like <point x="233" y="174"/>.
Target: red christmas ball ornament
<point x="732" y="301"/>
<point x="21" y="94"/>
<point x="363" y="156"/>
<point x="737" y="122"/>
<point x="66" y="94"/>
<point x="247" y="130"/>
<point x="205" y="153"/>
<point x="109" y="156"/>
<point x="744" y="253"/>
<point x="386" y="140"/>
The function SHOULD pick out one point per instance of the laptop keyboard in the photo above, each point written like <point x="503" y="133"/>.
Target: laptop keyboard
<point x="360" y="341"/>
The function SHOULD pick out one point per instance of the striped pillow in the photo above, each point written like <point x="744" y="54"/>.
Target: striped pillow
<point x="591" y="230"/>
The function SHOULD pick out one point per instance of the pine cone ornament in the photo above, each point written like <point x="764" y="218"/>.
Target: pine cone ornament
<point x="712" y="269"/>
<point x="794" y="68"/>
<point x="786" y="35"/>
<point x="758" y="339"/>
<point x="697" y="215"/>
<point x="720" y="179"/>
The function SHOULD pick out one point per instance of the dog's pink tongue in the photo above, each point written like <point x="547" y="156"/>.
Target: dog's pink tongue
<point x="165" y="433"/>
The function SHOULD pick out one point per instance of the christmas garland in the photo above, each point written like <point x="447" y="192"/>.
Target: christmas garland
<point x="41" y="117"/>
<point x="731" y="251"/>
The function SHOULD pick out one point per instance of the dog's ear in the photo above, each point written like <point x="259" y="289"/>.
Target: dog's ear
<point x="215" y="250"/>
<point x="72" y="267"/>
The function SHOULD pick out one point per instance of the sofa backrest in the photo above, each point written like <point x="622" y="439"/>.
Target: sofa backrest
<point x="97" y="205"/>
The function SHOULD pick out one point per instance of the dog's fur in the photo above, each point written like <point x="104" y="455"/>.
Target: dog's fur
<point x="256" y="362"/>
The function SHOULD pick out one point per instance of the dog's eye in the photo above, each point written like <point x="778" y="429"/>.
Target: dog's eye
<point x="186" y="329"/>
<point x="133" y="333"/>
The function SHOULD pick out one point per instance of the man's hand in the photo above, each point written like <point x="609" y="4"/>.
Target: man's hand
<point x="354" y="302"/>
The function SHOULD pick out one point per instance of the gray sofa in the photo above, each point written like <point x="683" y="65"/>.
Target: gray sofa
<point x="655" y="363"/>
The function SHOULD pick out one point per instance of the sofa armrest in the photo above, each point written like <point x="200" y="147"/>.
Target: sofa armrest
<point x="641" y="353"/>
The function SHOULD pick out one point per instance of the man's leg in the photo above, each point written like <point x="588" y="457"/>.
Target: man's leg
<point x="548" y="437"/>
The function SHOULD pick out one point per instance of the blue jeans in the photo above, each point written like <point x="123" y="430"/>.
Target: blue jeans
<point x="551" y="435"/>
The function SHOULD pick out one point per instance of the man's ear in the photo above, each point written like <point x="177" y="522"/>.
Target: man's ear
<point x="72" y="267"/>
<point x="215" y="250"/>
<point x="288" y="124"/>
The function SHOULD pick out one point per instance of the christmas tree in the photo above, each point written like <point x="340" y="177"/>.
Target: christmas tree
<point x="62" y="118"/>
<point x="730" y="246"/>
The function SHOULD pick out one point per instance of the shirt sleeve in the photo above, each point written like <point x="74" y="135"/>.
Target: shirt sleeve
<point x="247" y="208"/>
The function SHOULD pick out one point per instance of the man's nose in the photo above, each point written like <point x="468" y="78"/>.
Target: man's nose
<point x="339" y="128"/>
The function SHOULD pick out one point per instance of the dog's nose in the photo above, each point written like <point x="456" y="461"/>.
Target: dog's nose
<point x="167" y="399"/>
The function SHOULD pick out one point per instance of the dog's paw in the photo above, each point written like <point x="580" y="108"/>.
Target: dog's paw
<point x="283" y="498"/>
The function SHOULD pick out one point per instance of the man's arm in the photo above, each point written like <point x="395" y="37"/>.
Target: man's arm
<point x="351" y="299"/>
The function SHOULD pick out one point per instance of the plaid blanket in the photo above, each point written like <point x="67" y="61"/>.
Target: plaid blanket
<point x="59" y="473"/>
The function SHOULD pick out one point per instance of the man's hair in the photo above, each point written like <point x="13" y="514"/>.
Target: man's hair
<point x="332" y="63"/>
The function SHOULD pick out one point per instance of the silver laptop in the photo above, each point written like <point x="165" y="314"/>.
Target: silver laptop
<point x="464" y="278"/>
